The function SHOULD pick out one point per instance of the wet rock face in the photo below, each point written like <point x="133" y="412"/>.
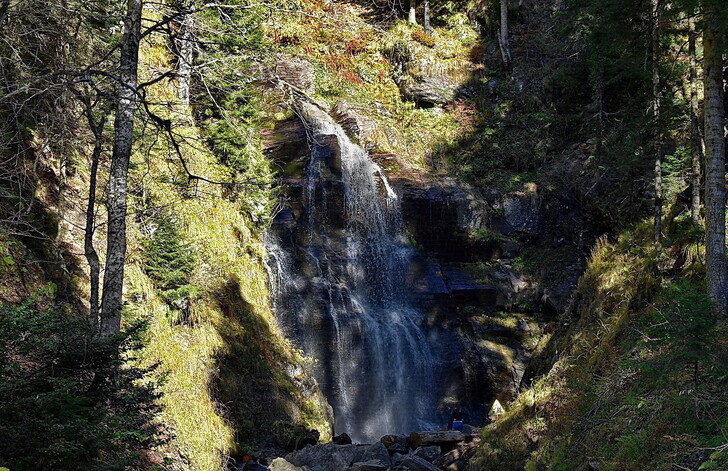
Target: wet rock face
<point x="462" y="266"/>
<point x="523" y="214"/>
<point x="469" y="277"/>
<point x="355" y="122"/>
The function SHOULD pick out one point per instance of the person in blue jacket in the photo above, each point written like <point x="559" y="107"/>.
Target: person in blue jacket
<point x="457" y="419"/>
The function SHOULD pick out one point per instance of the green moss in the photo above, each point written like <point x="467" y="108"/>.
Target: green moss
<point x="624" y="391"/>
<point x="232" y="338"/>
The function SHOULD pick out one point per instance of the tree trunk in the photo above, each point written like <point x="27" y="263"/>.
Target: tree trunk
<point x="186" y="51"/>
<point x="92" y="257"/>
<point x="412" y="13"/>
<point x="656" y="117"/>
<point x="426" y="19"/>
<point x="696" y="145"/>
<point x="505" y="46"/>
<point x="714" y="163"/>
<point x="4" y="8"/>
<point x="111" y="303"/>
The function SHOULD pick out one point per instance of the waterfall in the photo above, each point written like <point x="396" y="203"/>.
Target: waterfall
<point x="340" y="287"/>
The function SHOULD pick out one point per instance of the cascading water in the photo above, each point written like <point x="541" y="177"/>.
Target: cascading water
<point x="340" y="287"/>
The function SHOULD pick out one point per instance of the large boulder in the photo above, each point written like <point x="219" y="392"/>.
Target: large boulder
<point x="377" y="452"/>
<point x="280" y="464"/>
<point x="371" y="465"/>
<point x="429" y="88"/>
<point x="422" y="77"/>
<point x="441" y="437"/>
<point x="328" y="457"/>
<point x="295" y="71"/>
<point x="428" y="453"/>
<point x="414" y="463"/>
<point x="395" y="444"/>
<point x="342" y="439"/>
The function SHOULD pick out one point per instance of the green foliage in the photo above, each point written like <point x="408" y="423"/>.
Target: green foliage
<point x="170" y="262"/>
<point x="226" y="105"/>
<point x="66" y="400"/>
<point x="641" y="378"/>
<point x="685" y="321"/>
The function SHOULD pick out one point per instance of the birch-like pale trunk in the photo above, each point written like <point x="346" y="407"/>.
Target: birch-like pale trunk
<point x="426" y="17"/>
<point x="111" y="302"/>
<point x="503" y="39"/>
<point x="186" y="51"/>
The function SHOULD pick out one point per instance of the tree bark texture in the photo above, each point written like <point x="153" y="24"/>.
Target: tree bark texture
<point x="714" y="164"/>
<point x="656" y="117"/>
<point x="412" y="12"/>
<point x="111" y="303"/>
<point x="503" y="39"/>
<point x="426" y="17"/>
<point x="696" y="144"/>
<point x="186" y="51"/>
<point x="92" y="257"/>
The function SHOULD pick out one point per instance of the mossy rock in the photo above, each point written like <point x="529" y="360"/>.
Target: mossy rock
<point x="292" y="436"/>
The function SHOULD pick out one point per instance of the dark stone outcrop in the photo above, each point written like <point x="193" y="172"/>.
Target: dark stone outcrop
<point x="414" y="463"/>
<point x="342" y="439"/>
<point x="422" y="78"/>
<point x="293" y="437"/>
<point x="355" y="122"/>
<point x="295" y="71"/>
<point x="328" y="457"/>
<point x="428" y="453"/>
<point x="429" y="88"/>
<point x="287" y="143"/>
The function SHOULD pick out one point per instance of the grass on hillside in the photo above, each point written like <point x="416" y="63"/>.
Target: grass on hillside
<point x="229" y="335"/>
<point x="640" y="376"/>
<point x="353" y="62"/>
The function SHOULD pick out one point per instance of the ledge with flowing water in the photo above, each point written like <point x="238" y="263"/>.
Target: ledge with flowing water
<point x="341" y="279"/>
<point x="396" y="331"/>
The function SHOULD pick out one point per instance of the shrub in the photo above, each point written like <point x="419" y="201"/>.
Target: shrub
<point x="66" y="402"/>
<point x="423" y="38"/>
<point x="170" y="263"/>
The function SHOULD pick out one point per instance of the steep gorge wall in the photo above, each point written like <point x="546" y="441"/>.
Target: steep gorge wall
<point x="488" y="317"/>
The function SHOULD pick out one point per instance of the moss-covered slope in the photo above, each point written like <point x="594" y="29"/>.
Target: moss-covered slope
<point x="636" y="372"/>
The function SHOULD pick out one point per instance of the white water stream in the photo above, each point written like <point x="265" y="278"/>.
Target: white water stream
<point x="341" y="289"/>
